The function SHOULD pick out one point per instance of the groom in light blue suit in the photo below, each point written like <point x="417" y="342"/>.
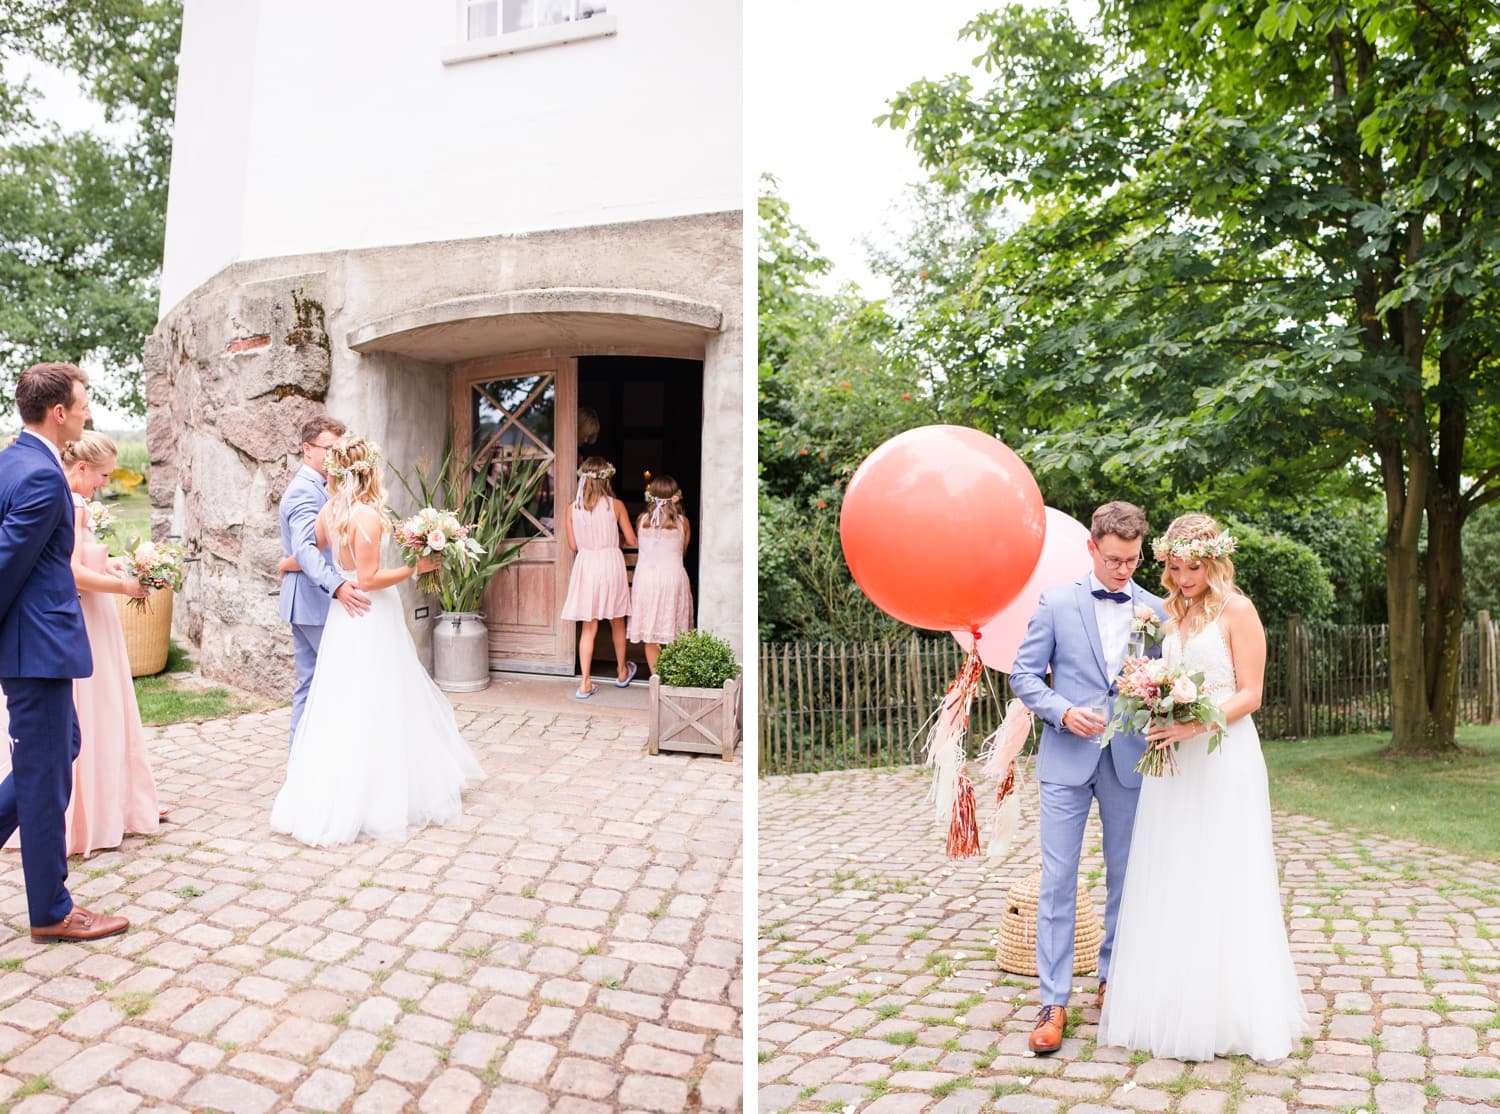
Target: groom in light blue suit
<point x="305" y="594"/>
<point x="1080" y="632"/>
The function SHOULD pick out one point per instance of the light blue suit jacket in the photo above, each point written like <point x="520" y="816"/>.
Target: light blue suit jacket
<point x="1064" y="636"/>
<point x="305" y="595"/>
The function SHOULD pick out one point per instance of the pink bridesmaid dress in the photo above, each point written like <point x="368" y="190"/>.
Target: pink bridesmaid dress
<point x="113" y="789"/>
<point x="661" y="599"/>
<point x="597" y="588"/>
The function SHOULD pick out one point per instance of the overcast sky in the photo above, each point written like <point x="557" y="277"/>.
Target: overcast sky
<point x="817" y="74"/>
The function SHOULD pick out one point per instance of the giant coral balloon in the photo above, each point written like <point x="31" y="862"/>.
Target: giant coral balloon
<point x="941" y="527"/>
<point x="1064" y="558"/>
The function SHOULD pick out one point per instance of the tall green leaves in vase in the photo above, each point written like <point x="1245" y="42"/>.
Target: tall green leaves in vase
<point x="488" y="492"/>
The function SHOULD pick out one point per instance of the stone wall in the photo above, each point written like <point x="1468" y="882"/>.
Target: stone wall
<point x="230" y="379"/>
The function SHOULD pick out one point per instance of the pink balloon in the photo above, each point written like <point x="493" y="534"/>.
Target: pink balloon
<point x="1064" y="558"/>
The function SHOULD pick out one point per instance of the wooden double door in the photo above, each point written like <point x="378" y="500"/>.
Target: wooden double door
<point x="529" y="408"/>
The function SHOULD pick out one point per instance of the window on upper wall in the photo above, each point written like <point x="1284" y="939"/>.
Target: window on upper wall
<point x="486" y="18"/>
<point x="491" y="27"/>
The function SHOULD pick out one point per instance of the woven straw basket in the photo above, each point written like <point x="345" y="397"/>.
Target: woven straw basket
<point x="148" y="630"/>
<point x="1016" y="951"/>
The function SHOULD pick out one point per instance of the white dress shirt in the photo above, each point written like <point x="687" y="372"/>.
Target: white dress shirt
<point x="1114" y="625"/>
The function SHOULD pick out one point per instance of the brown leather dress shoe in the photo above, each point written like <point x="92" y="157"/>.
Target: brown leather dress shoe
<point x="80" y="924"/>
<point x="1100" y="1002"/>
<point x="1048" y="1034"/>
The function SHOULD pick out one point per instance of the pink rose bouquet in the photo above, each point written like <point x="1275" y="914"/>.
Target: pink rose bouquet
<point x="436" y="532"/>
<point x="154" y="565"/>
<point x="1151" y="691"/>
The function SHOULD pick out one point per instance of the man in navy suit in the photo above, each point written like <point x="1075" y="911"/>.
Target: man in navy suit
<point x="305" y="594"/>
<point x="43" y="646"/>
<point x="1080" y="634"/>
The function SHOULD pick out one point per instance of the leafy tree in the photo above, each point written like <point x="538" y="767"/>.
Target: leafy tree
<point x="82" y="218"/>
<point x="1283" y="577"/>
<point x="1262" y="253"/>
<point x="829" y="393"/>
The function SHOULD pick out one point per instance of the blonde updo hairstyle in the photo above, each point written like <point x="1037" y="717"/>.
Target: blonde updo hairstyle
<point x="92" y="448"/>
<point x="1218" y="572"/>
<point x="354" y="477"/>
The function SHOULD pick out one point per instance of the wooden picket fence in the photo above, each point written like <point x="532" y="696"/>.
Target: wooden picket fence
<point x="837" y="705"/>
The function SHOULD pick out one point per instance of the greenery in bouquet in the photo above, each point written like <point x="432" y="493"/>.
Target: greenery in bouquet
<point x="1152" y="691"/>
<point x="697" y="659"/>
<point x="485" y="495"/>
<point x="102" y="518"/>
<point x="153" y="565"/>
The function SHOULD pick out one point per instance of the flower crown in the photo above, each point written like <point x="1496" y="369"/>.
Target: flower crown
<point x="1194" y="549"/>
<point x="597" y="474"/>
<point x="675" y="497"/>
<point x="335" y="470"/>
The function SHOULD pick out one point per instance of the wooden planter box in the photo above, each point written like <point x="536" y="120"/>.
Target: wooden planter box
<point x="148" y="630"/>
<point x="702" y="721"/>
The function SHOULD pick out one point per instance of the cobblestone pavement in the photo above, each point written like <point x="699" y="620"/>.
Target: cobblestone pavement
<point x="879" y="991"/>
<point x="573" y="945"/>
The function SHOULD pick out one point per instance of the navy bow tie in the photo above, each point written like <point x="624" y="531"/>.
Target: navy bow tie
<point x="1118" y="597"/>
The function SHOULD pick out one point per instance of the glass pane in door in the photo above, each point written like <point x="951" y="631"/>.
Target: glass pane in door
<point x="514" y="419"/>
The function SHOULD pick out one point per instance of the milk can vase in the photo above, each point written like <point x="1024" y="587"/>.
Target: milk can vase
<point x="461" y="652"/>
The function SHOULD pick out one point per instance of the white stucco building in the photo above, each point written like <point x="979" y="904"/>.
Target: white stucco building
<point x="466" y="219"/>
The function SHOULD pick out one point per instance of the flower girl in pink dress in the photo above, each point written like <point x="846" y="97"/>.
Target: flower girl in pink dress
<point x="661" y="597"/>
<point x="597" y="587"/>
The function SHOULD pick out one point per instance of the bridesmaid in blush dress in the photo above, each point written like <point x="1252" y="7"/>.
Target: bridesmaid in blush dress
<point x="113" y="789"/>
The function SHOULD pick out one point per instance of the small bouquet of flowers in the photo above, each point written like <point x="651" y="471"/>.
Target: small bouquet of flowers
<point x="1150" y="690"/>
<point x="153" y="565"/>
<point x="431" y="531"/>
<point x="1147" y="625"/>
<point x="102" y="518"/>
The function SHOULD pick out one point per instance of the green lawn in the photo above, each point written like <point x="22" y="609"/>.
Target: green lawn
<point x="1345" y="780"/>
<point x="164" y="700"/>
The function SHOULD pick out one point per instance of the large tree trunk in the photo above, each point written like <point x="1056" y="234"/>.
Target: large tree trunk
<point x="1411" y="719"/>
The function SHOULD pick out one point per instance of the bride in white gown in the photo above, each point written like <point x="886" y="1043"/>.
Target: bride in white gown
<point x="1201" y="964"/>
<point x="377" y="751"/>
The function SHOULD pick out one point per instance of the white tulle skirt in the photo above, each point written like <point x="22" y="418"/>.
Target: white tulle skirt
<point x="377" y="751"/>
<point x="1201" y="965"/>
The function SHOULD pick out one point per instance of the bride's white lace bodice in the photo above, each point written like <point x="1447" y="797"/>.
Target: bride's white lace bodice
<point x="1206" y="651"/>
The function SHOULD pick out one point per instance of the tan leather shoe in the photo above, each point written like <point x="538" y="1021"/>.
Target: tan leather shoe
<point x="1100" y="1002"/>
<point x="1048" y="1034"/>
<point x="80" y="924"/>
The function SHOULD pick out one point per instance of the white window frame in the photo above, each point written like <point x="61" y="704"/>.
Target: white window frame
<point x="531" y="38"/>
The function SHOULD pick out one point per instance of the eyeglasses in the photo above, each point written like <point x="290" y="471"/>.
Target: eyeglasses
<point x="321" y="448"/>
<point x="1123" y="562"/>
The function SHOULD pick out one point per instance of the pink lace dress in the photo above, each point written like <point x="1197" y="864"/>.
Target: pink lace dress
<point x="661" y="597"/>
<point x="597" y="588"/>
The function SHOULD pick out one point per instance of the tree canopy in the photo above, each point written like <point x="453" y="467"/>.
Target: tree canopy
<point x="1261" y="257"/>
<point x="82" y="217"/>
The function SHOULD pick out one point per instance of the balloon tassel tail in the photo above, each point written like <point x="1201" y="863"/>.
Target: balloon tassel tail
<point x="952" y="792"/>
<point x="963" y="831"/>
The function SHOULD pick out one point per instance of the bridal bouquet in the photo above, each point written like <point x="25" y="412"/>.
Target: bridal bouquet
<point x="431" y="531"/>
<point x="153" y="565"/>
<point x="1150" y="690"/>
